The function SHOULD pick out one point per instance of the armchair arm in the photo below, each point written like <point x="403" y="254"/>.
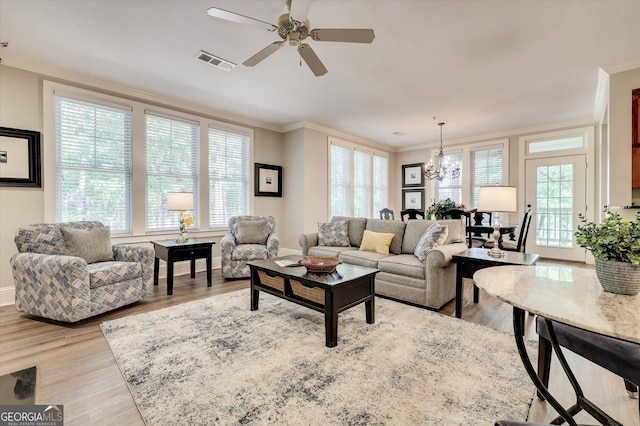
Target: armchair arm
<point x="51" y="286"/>
<point x="307" y="241"/>
<point x="227" y="244"/>
<point x="143" y="255"/>
<point x="273" y="244"/>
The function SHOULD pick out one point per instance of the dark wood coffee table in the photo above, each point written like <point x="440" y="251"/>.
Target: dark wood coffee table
<point x="472" y="260"/>
<point x="330" y="294"/>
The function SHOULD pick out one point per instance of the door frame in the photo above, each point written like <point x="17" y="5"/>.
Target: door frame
<point x="588" y="148"/>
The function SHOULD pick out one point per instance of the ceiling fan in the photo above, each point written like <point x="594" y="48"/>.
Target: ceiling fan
<point x="293" y="27"/>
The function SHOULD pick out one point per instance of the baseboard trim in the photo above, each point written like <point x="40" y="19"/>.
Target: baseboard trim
<point x="8" y="294"/>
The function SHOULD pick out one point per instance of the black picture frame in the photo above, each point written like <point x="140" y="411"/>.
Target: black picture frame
<point x="413" y="175"/>
<point x="267" y="180"/>
<point x="413" y="194"/>
<point x="30" y="168"/>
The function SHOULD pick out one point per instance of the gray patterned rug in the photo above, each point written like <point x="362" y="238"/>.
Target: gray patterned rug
<point x="213" y="361"/>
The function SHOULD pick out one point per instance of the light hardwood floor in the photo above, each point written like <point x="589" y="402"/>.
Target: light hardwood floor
<point x="77" y="369"/>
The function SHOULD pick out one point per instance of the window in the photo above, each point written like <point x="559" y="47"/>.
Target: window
<point x="228" y="175"/>
<point x="359" y="180"/>
<point x="487" y="169"/>
<point x="361" y="184"/>
<point x="93" y="163"/>
<point x="452" y="188"/>
<point x="380" y="183"/>
<point x="172" y="166"/>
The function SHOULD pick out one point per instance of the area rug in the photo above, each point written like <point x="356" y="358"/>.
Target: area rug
<point x="213" y="361"/>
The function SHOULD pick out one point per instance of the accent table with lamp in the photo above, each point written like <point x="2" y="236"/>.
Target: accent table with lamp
<point x="497" y="199"/>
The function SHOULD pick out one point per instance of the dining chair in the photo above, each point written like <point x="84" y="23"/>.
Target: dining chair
<point x="520" y="244"/>
<point x="386" y="214"/>
<point x="459" y="214"/>
<point x="412" y="214"/>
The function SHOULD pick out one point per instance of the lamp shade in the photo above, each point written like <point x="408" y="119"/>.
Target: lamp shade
<point x="180" y="201"/>
<point x="498" y="198"/>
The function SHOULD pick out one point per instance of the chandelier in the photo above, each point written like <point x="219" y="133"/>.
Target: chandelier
<point x="443" y="170"/>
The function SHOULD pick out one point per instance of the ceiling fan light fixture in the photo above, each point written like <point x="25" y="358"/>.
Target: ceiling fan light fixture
<point x="294" y="39"/>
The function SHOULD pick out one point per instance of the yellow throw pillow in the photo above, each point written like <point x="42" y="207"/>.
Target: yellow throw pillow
<point x="378" y="242"/>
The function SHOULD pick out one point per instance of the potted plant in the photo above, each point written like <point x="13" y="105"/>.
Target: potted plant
<point x="436" y="209"/>
<point x="615" y="244"/>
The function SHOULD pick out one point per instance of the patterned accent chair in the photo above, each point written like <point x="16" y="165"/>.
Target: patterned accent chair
<point x="236" y="249"/>
<point x="51" y="284"/>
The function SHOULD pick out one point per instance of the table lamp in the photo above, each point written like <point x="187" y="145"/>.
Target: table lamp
<point x="497" y="198"/>
<point x="181" y="202"/>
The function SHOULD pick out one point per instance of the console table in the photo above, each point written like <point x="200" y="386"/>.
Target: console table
<point x="171" y="251"/>
<point x="568" y="295"/>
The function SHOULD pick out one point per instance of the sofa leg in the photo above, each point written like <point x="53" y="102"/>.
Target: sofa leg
<point x="544" y="362"/>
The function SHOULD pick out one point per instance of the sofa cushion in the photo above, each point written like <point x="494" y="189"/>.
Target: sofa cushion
<point x="106" y="273"/>
<point x="252" y="232"/>
<point x="433" y="237"/>
<point x="333" y="234"/>
<point x="325" y="251"/>
<point x="377" y="242"/>
<point x="93" y="245"/>
<point x="249" y="252"/>
<point x="403" y="264"/>
<point x="356" y="228"/>
<point x="362" y="258"/>
<point x="457" y="230"/>
<point x="395" y="227"/>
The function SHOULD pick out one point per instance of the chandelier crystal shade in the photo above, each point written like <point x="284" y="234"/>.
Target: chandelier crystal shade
<point x="443" y="170"/>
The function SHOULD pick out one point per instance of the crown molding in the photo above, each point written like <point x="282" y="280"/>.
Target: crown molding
<point x="621" y="67"/>
<point x="338" y="134"/>
<point x="505" y="134"/>
<point x="71" y="78"/>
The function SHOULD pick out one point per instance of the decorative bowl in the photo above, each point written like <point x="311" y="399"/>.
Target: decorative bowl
<point x="320" y="264"/>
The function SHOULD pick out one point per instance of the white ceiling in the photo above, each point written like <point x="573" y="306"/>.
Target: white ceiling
<point x="484" y="67"/>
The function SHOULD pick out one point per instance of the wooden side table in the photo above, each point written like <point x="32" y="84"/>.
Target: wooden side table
<point x="472" y="260"/>
<point x="170" y="252"/>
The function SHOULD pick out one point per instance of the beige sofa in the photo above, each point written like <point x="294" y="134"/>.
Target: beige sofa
<point x="402" y="276"/>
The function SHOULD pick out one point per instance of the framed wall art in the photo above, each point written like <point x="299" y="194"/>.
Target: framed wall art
<point x="268" y="180"/>
<point x="413" y="199"/>
<point x="19" y="158"/>
<point x="412" y="176"/>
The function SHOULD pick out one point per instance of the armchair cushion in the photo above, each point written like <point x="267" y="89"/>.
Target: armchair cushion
<point x="252" y="232"/>
<point x="249" y="252"/>
<point x="93" y="244"/>
<point x="334" y="234"/>
<point x="107" y="273"/>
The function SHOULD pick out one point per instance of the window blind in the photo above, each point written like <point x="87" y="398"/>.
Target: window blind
<point x="380" y="183"/>
<point x="340" y="181"/>
<point x="93" y="163"/>
<point x="452" y="188"/>
<point x="362" y="190"/>
<point x="487" y="169"/>
<point x="171" y="154"/>
<point x="229" y="187"/>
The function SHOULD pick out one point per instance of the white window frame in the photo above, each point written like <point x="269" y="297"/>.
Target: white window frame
<point x="352" y="147"/>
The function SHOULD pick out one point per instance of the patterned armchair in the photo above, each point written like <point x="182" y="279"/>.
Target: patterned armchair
<point x="53" y="284"/>
<point x="249" y="238"/>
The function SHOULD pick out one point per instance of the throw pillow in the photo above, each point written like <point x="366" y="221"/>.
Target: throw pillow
<point x="433" y="237"/>
<point x="252" y="232"/>
<point x="333" y="234"/>
<point x="378" y="242"/>
<point x="93" y="245"/>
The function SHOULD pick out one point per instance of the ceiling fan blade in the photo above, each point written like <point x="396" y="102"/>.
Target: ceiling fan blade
<point x="299" y="9"/>
<point x="348" y="35"/>
<point x="312" y="60"/>
<point x="240" y="19"/>
<point x="263" y="54"/>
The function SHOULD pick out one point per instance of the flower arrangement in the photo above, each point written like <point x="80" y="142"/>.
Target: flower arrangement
<point x="436" y="209"/>
<point x="612" y="239"/>
<point x="187" y="219"/>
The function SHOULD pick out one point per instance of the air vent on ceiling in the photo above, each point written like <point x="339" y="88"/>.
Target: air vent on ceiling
<point x="215" y="61"/>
